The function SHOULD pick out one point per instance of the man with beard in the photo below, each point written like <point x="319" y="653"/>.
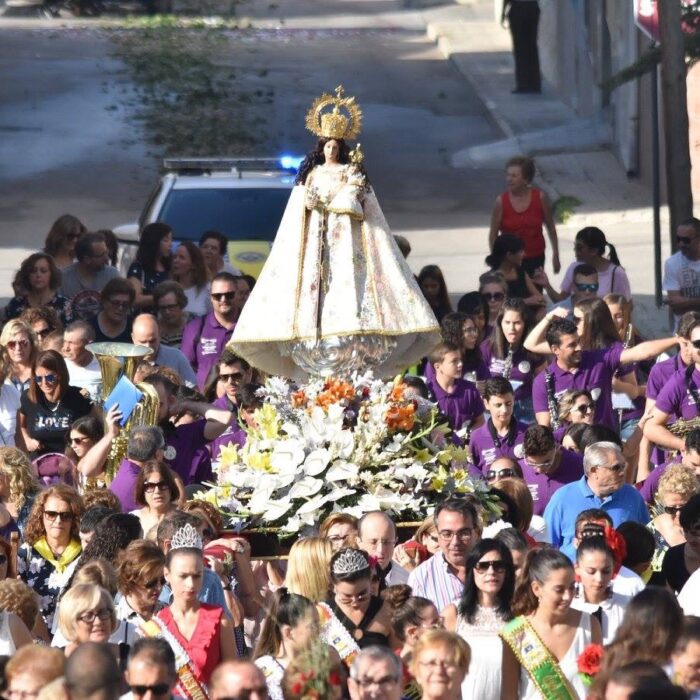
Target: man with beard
<point x="575" y="368"/>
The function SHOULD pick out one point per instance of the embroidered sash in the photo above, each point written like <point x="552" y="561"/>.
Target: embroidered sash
<point x="187" y="684"/>
<point x="537" y="660"/>
<point x="334" y="633"/>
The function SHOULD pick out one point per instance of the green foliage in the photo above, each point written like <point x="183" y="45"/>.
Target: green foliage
<point x="564" y="207"/>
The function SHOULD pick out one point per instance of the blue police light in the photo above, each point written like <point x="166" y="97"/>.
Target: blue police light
<point x="291" y="162"/>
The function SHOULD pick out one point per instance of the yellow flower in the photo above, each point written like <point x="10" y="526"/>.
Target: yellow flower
<point x="228" y="455"/>
<point x="260" y="461"/>
<point x="423" y="456"/>
<point x="444" y="457"/>
<point x="268" y="421"/>
<point x="439" y="480"/>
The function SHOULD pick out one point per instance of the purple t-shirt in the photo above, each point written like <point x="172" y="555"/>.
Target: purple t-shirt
<point x="659" y="374"/>
<point x="484" y="450"/>
<point x="522" y="370"/>
<point x="675" y="398"/>
<point x="651" y="483"/>
<point x="203" y="340"/>
<point x="472" y="373"/>
<point x="462" y="406"/>
<point x="595" y="373"/>
<point x="233" y="433"/>
<point x="543" y="486"/>
<point x="123" y="485"/>
<point x="186" y="452"/>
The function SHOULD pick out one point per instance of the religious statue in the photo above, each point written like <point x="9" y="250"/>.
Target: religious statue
<point x="335" y="294"/>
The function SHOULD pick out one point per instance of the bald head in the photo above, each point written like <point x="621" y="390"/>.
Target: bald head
<point x="234" y="679"/>
<point x="145" y="331"/>
<point x="92" y="673"/>
<point x="377" y="536"/>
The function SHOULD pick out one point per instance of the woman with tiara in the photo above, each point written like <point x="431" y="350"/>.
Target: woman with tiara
<point x="200" y="635"/>
<point x="336" y="293"/>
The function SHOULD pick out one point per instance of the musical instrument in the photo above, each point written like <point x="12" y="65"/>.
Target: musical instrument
<point x="117" y="360"/>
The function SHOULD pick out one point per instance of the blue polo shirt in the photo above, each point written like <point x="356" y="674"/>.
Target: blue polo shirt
<point x="568" y="501"/>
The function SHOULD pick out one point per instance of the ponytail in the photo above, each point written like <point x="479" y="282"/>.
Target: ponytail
<point x="539" y="563"/>
<point x="612" y="255"/>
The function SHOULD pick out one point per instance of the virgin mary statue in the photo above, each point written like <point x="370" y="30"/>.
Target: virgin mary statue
<point x="335" y="294"/>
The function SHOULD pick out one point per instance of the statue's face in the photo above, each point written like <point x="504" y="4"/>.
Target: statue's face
<point x="331" y="151"/>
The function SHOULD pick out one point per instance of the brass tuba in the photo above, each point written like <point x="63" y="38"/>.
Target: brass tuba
<point x="117" y="360"/>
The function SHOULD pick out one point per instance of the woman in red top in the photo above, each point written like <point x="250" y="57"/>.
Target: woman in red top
<point x="523" y="210"/>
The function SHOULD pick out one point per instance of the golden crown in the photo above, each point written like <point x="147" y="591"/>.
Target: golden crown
<point x="343" y="121"/>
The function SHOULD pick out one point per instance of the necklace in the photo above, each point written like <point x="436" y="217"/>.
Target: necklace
<point x="55" y="408"/>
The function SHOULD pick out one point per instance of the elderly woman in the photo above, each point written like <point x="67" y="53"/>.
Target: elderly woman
<point x="86" y="614"/>
<point x="18" y="489"/>
<point x="50" y="406"/>
<point x="156" y="492"/>
<point x="31" y="669"/>
<point x="170" y="301"/>
<point x="676" y="487"/>
<point x="20" y="342"/>
<point x="440" y="663"/>
<point x="45" y="322"/>
<point x="39" y="280"/>
<point x="51" y="546"/>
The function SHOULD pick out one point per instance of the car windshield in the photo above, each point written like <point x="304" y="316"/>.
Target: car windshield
<point x="239" y="213"/>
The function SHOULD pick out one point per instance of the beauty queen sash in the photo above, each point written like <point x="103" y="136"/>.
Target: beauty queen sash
<point x="187" y="684"/>
<point x="334" y="633"/>
<point x="537" y="660"/>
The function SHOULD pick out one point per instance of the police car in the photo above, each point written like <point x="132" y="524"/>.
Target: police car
<point x="243" y="198"/>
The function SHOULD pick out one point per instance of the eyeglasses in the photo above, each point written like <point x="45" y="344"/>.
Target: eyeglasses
<point x="159" y="582"/>
<point x="119" y="304"/>
<point x="503" y="474"/>
<point x="347" y="599"/>
<point x="12" y="344"/>
<point x="584" y="408"/>
<point x="159" y="689"/>
<point x="385" y="682"/>
<point x="44" y="331"/>
<point x="91" y="615"/>
<point x="168" y="307"/>
<point x="228" y="296"/>
<point x="615" y="468"/>
<point x="673" y="510"/>
<point x="587" y="287"/>
<point x="684" y="240"/>
<point x="151" y="486"/>
<point x="463" y="535"/>
<point x="338" y="538"/>
<point x="78" y="440"/>
<point x="539" y="465"/>
<point x="497" y="565"/>
<point x="47" y="378"/>
<point x="493" y="296"/>
<point x="62" y="515"/>
<point x="234" y="377"/>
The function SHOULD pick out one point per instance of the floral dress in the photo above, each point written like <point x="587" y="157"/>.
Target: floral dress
<point x="60" y="304"/>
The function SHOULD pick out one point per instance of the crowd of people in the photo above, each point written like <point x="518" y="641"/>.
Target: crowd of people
<point x="117" y="579"/>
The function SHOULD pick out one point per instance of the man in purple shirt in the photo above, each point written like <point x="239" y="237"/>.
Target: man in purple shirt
<point x="690" y="457"/>
<point x="457" y="398"/>
<point x="547" y="466"/>
<point x="204" y="338"/>
<point x="501" y="435"/>
<point x="184" y="443"/>
<point x="146" y="442"/>
<point x="574" y="368"/>
<point x="680" y="398"/>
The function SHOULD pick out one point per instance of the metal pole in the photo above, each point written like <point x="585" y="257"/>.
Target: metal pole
<point x="656" y="185"/>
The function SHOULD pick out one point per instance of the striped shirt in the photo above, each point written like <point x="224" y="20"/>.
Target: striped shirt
<point x="434" y="580"/>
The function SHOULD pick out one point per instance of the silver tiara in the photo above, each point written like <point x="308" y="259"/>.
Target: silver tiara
<point x="186" y="536"/>
<point x="349" y="561"/>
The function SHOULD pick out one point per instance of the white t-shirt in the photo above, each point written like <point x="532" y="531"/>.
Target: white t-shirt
<point x="627" y="583"/>
<point x="198" y="301"/>
<point x="682" y="275"/>
<point x="9" y="405"/>
<point x="88" y="377"/>
<point x="689" y="597"/>
<point x="613" y="280"/>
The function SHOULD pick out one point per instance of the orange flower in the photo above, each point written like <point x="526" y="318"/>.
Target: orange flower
<point x="298" y="399"/>
<point x="335" y="390"/>
<point x="397" y="393"/>
<point x="401" y="417"/>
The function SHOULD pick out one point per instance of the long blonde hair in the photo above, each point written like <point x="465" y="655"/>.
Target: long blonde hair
<point x="309" y="568"/>
<point x="17" y="469"/>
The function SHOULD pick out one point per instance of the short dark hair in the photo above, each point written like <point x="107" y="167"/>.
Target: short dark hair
<point x="216" y="236"/>
<point x="640" y="543"/>
<point x="170" y="287"/>
<point x="526" y="165"/>
<point x="416" y="383"/>
<point x="585" y="270"/>
<point x="83" y="246"/>
<point x="598" y="433"/>
<point x="595" y="514"/>
<point x="688" y="321"/>
<point x="692" y="440"/>
<point x="513" y="539"/>
<point x="144" y="442"/>
<point x="93" y="517"/>
<point x="692" y="221"/>
<point x="172" y="522"/>
<point x="638" y="674"/>
<point x="156" y="650"/>
<point x="557" y="328"/>
<point x="438" y="354"/>
<point x="117" y="285"/>
<point x="455" y="504"/>
<point x="538" y="440"/>
<point x="689" y="633"/>
<point x="224" y="276"/>
<point x="229" y="358"/>
<point x="247" y="396"/>
<point x="162" y="381"/>
<point x="690" y="513"/>
<point x="92" y="668"/>
<point x="497" y="386"/>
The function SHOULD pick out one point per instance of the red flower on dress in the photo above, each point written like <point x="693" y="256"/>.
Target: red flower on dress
<point x="589" y="659"/>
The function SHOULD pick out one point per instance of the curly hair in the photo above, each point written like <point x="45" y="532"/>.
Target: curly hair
<point x="317" y="157"/>
<point x="102" y="497"/>
<point x="677" y="479"/>
<point x="34" y="314"/>
<point x="17" y="597"/>
<point x="140" y="562"/>
<point x="17" y="470"/>
<point x="112" y="535"/>
<point x="208" y="510"/>
<point x="27" y="266"/>
<point x="35" y="530"/>
<point x="98" y="572"/>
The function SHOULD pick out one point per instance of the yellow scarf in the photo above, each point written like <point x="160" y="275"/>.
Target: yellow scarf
<point x="71" y="552"/>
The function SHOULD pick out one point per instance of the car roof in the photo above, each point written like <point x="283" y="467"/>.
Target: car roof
<point x="232" y="181"/>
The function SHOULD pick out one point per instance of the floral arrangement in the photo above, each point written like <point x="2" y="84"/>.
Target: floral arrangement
<point x="589" y="663"/>
<point x="355" y="446"/>
<point x="313" y="675"/>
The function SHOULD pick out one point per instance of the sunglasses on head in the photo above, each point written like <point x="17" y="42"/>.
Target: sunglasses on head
<point x="587" y="286"/>
<point x="493" y="296"/>
<point x="492" y="475"/>
<point x="497" y="565"/>
<point x="228" y="296"/>
<point x="47" y="378"/>
<point x="158" y="689"/>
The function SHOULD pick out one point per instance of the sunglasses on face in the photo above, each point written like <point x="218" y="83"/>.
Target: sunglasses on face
<point x="227" y="296"/>
<point x="12" y="344"/>
<point x="78" y="440"/>
<point x="233" y="377"/>
<point x="497" y="565"/>
<point x="673" y="510"/>
<point x="160" y="582"/>
<point x="151" y="486"/>
<point x="62" y="515"/>
<point x="46" y="379"/>
<point x="159" y="689"/>
<point x="587" y="287"/>
<point x="44" y="331"/>
<point x="614" y="468"/>
<point x="493" y="296"/>
<point x="503" y="474"/>
<point x="695" y="343"/>
<point x="684" y="240"/>
<point x="584" y="408"/>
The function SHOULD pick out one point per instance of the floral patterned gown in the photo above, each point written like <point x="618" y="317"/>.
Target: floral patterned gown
<point x="334" y="270"/>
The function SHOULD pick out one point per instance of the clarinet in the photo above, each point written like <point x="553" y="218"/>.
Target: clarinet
<point x="551" y="400"/>
<point x="508" y="363"/>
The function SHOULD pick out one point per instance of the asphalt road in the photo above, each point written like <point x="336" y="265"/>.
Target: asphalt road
<point x="68" y="142"/>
